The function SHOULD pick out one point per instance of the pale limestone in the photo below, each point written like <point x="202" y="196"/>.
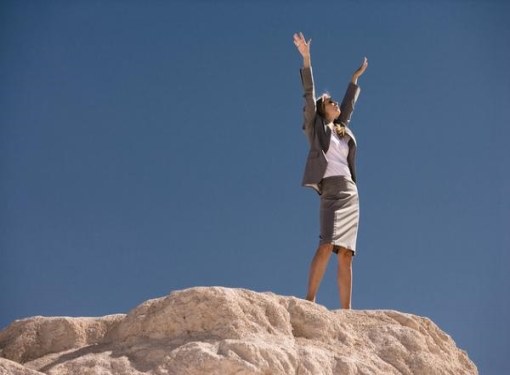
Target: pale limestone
<point x="27" y="339"/>
<point x="12" y="368"/>
<point x="213" y="330"/>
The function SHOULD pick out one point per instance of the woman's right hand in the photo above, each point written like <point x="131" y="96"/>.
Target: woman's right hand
<point x="304" y="48"/>
<point x="302" y="45"/>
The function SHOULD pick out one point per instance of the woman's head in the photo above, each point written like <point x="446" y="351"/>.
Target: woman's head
<point x="327" y="108"/>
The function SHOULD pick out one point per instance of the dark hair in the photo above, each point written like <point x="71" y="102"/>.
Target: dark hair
<point x="320" y="105"/>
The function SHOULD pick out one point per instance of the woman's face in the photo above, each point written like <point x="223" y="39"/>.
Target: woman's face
<point x="331" y="109"/>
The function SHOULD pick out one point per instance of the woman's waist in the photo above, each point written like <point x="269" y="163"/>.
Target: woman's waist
<point x="332" y="185"/>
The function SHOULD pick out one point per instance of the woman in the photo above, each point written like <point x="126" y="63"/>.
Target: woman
<point x="330" y="170"/>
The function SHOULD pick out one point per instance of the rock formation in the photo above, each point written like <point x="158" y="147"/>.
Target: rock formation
<point x="225" y="331"/>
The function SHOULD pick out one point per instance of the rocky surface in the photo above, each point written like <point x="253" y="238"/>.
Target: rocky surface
<point x="231" y="331"/>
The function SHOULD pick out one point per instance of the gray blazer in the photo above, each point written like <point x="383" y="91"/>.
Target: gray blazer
<point x="319" y="135"/>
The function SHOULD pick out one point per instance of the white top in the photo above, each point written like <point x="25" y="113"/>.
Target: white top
<point x="337" y="155"/>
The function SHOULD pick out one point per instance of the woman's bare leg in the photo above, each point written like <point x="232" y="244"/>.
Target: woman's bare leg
<point x="344" y="277"/>
<point x="317" y="269"/>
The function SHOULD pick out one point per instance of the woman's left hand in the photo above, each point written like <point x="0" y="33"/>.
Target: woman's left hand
<point x="359" y="72"/>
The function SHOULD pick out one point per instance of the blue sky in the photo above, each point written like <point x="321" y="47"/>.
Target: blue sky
<point x="152" y="146"/>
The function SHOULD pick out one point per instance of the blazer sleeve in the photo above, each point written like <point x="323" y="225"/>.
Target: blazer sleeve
<point x="309" y="110"/>
<point x="348" y="103"/>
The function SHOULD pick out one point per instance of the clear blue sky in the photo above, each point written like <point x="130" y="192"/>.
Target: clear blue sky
<point x="149" y="146"/>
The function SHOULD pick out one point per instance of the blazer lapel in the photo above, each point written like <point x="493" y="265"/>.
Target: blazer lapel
<point x="324" y="133"/>
<point x="351" y="134"/>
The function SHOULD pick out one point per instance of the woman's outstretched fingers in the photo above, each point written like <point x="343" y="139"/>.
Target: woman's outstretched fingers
<point x="301" y="44"/>
<point x="299" y="39"/>
<point x="359" y="72"/>
<point x="365" y="63"/>
<point x="363" y="67"/>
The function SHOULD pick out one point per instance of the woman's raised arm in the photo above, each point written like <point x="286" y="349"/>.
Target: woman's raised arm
<point x="308" y="87"/>
<point x="351" y="95"/>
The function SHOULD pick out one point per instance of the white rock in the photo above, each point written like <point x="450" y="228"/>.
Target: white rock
<point x="233" y="331"/>
<point x="31" y="338"/>
<point x="12" y="368"/>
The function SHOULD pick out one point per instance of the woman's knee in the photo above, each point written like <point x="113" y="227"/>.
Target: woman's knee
<point x="345" y="255"/>
<point x="325" y="249"/>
